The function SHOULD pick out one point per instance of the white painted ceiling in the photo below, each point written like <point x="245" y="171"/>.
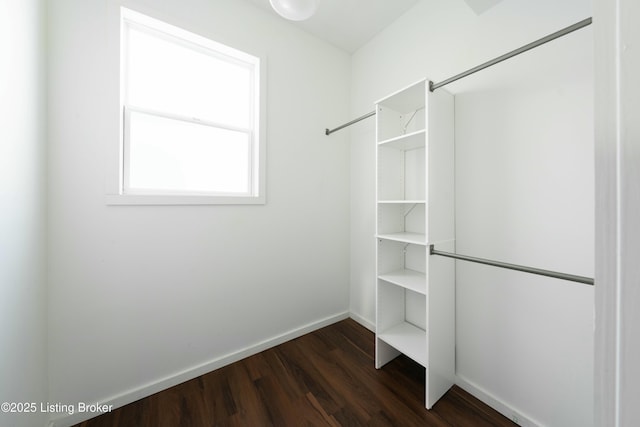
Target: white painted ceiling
<point x="349" y="24"/>
<point x="480" y="6"/>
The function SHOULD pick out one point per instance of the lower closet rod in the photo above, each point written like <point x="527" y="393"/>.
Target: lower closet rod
<point x="555" y="274"/>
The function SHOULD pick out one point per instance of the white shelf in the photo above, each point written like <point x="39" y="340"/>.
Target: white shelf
<point x="415" y="159"/>
<point x="409" y="279"/>
<point x="405" y="237"/>
<point x="409" y="141"/>
<point x="408" y="339"/>
<point x="409" y="98"/>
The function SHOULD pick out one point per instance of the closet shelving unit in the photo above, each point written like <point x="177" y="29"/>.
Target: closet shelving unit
<point x="415" y="307"/>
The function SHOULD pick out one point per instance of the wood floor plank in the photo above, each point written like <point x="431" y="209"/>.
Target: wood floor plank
<point x="330" y="419"/>
<point x="342" y="383"/>
<point x="303" y="370"/>
<point x="250" y="407"/>
<point x="326" y="378"/>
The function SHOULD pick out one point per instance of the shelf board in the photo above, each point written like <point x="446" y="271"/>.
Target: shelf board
<point x="405" y="202"/>
<point x="408" y="98"/>
<point x="408" y="339"/>
<point x="408" y="279"/>
<point x="409" y="141"/>
<point x="406" y="237"/>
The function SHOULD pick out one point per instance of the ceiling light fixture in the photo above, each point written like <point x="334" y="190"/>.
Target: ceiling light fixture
<point x="295" y="10"/>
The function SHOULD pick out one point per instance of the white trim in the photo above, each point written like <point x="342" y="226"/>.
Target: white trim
<point x="164" y="383"/>
<point x="364" y="322"/>
<point x="117" y="191"/>
<point x="505" y="409"/>
<point x="193" y="120"/>
<point x="607" y="126"/>
<point x="179" y="199"/>
<point x="617" y="345"/>
<point x="141" y="21"/>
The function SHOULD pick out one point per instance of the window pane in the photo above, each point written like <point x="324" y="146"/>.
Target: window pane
<point x="178" y="156"/>
<point x="170" y="77"/>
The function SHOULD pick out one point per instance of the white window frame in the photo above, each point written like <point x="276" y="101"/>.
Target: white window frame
<point x="119" y="192"/>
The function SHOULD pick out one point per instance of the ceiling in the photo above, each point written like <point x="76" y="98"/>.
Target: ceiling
<point x="349" y="24"/>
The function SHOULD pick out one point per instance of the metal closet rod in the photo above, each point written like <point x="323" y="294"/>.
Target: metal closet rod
<point x="434" y="86"/>
<point x="330" y="131"/>
<point x="532" y="270"/>
<point x="539" y="42"/>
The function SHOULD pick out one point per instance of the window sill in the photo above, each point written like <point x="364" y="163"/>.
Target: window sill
<point x="186" y="200"/>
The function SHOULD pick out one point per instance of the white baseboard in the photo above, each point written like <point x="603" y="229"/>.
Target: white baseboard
<point x="194" y="372"/>
<point x="508" y="411"/>
<point x="364" y="322"/>
<point x="163" y="383"/>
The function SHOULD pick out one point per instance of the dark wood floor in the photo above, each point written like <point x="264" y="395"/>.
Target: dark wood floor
<point x="325" y="378"/>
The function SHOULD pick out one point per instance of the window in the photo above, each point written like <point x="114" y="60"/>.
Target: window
<point x="191" y="117"/>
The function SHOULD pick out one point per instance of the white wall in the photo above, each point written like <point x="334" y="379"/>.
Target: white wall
<point x="524" y="194"/>
<point x="142" y="297"/>
<point x="23" y="375"/>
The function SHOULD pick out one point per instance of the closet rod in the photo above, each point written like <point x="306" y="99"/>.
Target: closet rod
<point x="555" y="274"/>
<point x="550" y="37"/>
<point x="330" y="131"/>
<point x="434" y="86"/>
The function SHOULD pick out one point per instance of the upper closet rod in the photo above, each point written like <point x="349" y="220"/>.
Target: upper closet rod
<point x="557" y="34"/>
<point x="434" y="86"/>
<point x="539" y="271"/>
<point x="330" y="131"/>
